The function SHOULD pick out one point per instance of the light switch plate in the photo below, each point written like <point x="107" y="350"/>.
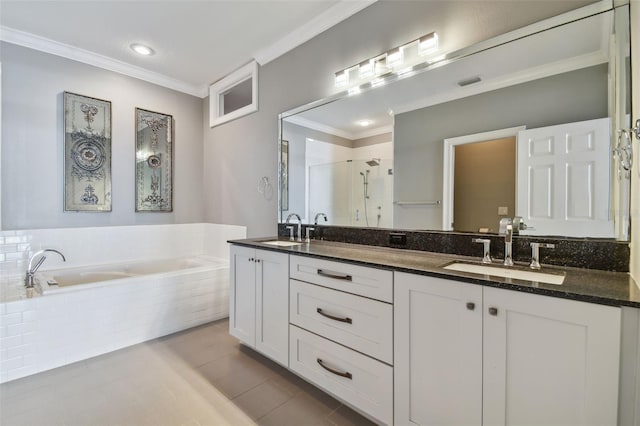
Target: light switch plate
<point x="503" y="211"/>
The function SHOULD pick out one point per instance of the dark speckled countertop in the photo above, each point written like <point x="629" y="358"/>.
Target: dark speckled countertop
<point x="587" y="285"/>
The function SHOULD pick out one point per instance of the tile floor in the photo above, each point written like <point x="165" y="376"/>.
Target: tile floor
<point x="201" y="376"/>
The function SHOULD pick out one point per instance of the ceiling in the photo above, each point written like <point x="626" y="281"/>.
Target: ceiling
<point x="196" y="42"/>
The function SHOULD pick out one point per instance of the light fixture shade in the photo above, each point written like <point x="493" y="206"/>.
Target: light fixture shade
<point x="395" y="58"/>
<point x="428" y="44"/>
<point x="366" y="69"/>
<point x="342" y="78"/>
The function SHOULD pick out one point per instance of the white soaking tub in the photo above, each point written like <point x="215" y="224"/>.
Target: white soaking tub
<point x="82" y="278"/>
<point x="97" y="309"/>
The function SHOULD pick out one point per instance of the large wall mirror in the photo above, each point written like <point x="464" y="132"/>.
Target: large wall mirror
<point x="520" y="128"/>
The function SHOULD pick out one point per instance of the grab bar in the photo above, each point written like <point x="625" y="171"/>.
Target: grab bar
<point x="418" y="203"/>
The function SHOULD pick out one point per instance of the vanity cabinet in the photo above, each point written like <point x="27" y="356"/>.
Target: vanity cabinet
<point x="259" y="301"/>
<point x="341" y="340"/>
<point x="468" y="354"/>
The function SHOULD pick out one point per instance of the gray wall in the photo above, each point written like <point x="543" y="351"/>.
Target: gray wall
<point x="33" y="142"/>
<point x="237" y="154"/>
<point x="419" y="135"/>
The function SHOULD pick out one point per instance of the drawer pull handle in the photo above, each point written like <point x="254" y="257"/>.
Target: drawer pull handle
<point x="345" y="319"/>
<point x="334" y="275"/>
<point x="493" y="311"/>
<point x="336" y="372"/>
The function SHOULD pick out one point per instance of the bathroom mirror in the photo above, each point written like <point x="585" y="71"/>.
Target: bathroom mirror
<point x="502" y="129"/>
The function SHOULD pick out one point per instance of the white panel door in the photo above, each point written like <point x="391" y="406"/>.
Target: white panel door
<point x="549" y="361"/>
<point x="438" y="351"/>
<point x="272" y="305"/>
<point x="242" y="297"/>
<point x="563" y="179"/>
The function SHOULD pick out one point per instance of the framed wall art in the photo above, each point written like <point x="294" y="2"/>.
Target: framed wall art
<point x="87" y="153"/>
<point x="284" y="175"/>
<point x="154" y="161"/>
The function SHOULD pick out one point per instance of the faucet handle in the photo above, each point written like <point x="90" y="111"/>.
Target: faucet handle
<point x="309" y="229"/>
<point x="290" y="228"/>
<point x="486" y="245"/>
<point x="535" y="253"/>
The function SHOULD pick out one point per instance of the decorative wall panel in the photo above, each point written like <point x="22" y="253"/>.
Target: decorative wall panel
<point x="154" y="161"/>
<point x="87" y="156"/>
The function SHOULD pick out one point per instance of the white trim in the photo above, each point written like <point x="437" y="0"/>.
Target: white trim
<point x="373" y="132"/>
<point x="448" y="166"/>
<point x="52" y="47"/>
<point x="314" y="125"/>
<point x="218" y="89"/>
<point x="327" y="19"/>
<point x="310" y="124"/>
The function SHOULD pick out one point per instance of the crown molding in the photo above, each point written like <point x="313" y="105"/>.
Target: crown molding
<point x="535" y="73"/>
<point x="52" y="47"/>
<point x="373" y="132"/>
<point x="314" y="125"/>
<point x="327" y="19"/>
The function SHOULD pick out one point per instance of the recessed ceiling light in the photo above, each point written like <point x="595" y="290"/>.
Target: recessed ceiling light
<point x="365" y="123"/>
<point x="142" y="49"/>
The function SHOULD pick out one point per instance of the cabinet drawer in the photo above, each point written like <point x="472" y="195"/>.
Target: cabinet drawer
<point x="361" y="280"/>
<point x="362" y="324"/>
<point x="357" y="379"/>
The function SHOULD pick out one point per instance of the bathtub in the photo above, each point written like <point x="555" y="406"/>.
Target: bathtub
<point x="83" y="278"/>
<point x="91" y="310"/>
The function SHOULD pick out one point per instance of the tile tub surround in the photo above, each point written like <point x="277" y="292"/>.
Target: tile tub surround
<point x="44" y="332"/>
<point x="607" y="255"/>
<point x="587" y="285"/>
<point x="113" y="244"/>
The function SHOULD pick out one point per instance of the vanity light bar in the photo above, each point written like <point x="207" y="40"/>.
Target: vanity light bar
<point x="398" y="60"/>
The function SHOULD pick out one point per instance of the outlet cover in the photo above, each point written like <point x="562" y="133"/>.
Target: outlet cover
<point x="503" y="211"/>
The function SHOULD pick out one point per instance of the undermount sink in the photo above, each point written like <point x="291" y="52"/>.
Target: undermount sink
<point x="281" y="243"/>
<point x="497" y="271"/>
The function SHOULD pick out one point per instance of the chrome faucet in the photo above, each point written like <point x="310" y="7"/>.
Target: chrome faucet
<point x="315" y="221"/>
<point x="508" y="246"/>
<point x="535" y="253"/>
<point x="486" y="243"/>
<point x="31" y="270"/>
<point x="299" y="224"/>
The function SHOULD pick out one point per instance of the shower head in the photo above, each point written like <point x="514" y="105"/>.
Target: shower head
<point x="374" y="162"/>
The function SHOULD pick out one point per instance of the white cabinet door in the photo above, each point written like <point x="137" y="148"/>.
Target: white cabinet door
<point x="272" y="305"/>
<point x="438" y="351"/>
<point x="242" y="297"/>
<point x="549" y="361"/>
<point x="563" y="179"/>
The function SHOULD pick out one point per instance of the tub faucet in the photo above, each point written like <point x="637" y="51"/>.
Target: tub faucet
<point x="299" y="224"/>
<point x="31" y="270"/>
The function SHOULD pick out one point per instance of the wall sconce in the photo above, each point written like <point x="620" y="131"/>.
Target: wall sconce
<point x="400" y="60"/>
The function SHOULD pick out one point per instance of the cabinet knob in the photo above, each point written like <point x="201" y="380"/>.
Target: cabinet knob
<point x="258" y="260"/>
<point x="493" y="311"/>
<point x="251" y="259"/>
<point x="471" y="306"/>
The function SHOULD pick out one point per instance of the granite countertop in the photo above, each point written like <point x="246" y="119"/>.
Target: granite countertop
<point x="587" y="285"/>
